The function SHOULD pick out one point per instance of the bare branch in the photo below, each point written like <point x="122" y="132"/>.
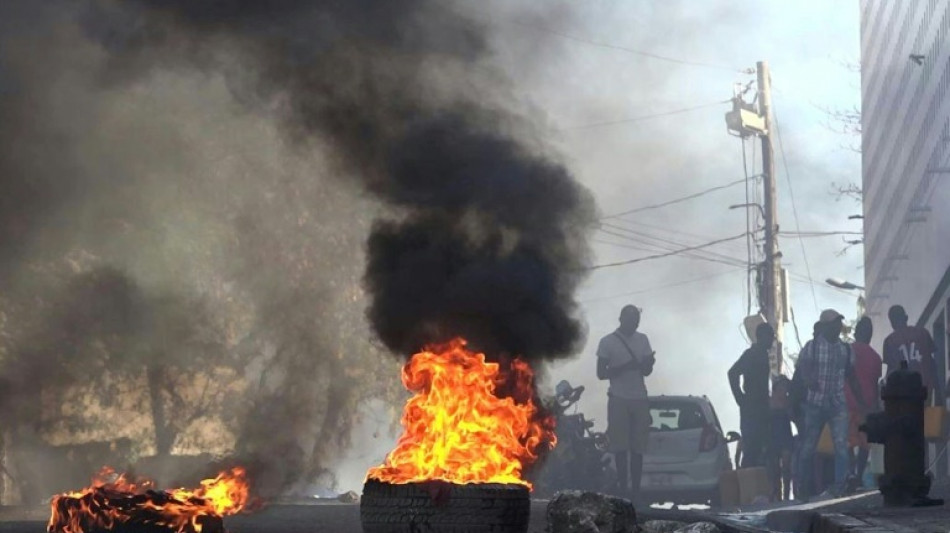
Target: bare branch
<point x="848" y="190"/>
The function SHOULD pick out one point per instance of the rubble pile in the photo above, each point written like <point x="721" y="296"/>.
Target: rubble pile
<point x="574" y="511"/>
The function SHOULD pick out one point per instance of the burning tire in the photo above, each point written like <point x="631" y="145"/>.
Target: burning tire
<point x="444" y="507"/>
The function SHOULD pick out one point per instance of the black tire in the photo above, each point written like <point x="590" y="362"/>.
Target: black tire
<point x="437" y="507"/>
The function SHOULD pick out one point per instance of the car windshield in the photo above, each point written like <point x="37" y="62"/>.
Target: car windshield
<point x="675" y="416"/>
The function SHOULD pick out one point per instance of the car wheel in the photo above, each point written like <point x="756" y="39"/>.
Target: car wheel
<point x="444" y="507"/>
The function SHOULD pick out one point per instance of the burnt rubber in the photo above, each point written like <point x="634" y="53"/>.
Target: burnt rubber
<point x="441" y="507"/>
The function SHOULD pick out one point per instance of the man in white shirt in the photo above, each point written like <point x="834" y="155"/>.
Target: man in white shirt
<point x="624" y="357"/>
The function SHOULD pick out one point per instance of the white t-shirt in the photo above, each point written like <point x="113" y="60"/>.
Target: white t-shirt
<point x="629" y="384"/>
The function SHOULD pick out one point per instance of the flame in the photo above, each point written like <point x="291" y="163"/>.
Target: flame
<point x="458" y="426"/>
<point x="112" y="500"/>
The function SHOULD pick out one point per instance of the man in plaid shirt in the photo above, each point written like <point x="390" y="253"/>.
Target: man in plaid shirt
<point x="825" y="365"/>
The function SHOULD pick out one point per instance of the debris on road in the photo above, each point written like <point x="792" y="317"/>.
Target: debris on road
<point x="574" y="511"/>
<point x="699" y="527"/>
<point x="349" y="497"/>
<point x="662" y="526"/>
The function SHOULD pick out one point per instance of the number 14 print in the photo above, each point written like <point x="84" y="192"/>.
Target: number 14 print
<point x="911" y="354"/>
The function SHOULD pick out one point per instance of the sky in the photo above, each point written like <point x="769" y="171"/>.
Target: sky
<point x="692" y="309"/>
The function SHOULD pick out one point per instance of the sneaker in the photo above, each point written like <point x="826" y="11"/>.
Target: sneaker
<point x="851" y="484"/>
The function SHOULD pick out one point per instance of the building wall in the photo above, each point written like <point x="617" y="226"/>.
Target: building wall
<point x="906" y="156"/>
<point x="905" y="119"/>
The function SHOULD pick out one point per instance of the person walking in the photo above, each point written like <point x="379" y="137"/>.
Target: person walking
<point x="753" y="396"/>
<point x="914" y="345"/>
<point x="796" y="407"/>
<point x="625" y="358"/>
<point x="868" y="368"/>
<point x="826" y="364"/>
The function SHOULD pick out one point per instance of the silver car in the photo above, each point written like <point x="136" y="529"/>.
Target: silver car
<point x="686" y="453"/>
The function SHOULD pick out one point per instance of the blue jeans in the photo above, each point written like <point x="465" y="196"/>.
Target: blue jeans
<point x="815" y="419"/>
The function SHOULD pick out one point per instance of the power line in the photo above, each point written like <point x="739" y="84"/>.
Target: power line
<point x="660" y="287"/>
<point x="791" y="195"/>
<point x="628" y="50"/>
<point x="801" y="234"/>
<point x="659" y="244"/>
<point x="638" y="237"/>
<point x="675" y="201"/>
<point x="723" y="260"/>
<point x="631" y="120"/>
<point x="798" y="336"/>
<point x="663" y="229"/>
<point x="668" y="254"/>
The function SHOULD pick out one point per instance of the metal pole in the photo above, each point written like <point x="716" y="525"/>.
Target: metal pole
<point x="774" y="308"/>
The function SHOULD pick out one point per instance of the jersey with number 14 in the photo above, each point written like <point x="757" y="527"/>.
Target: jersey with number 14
<point x="914" y="345"/>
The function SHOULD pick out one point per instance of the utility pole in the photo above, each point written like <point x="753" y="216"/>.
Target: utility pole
<point x="772" y="278"/>
<point x="748" y="120"/>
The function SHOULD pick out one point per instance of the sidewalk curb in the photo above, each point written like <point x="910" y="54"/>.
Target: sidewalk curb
<point x="840" y="523"/>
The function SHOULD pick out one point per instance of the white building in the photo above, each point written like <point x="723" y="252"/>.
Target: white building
<point x="905" y="75"/>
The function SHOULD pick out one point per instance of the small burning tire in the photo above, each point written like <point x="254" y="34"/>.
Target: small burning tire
<point x="444" y="508"/>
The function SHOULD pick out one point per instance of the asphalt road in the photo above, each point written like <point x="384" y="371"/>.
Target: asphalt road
<point x="318" y="518"/>
<point x="330" y="517"/>
<point x="327" y="518"/>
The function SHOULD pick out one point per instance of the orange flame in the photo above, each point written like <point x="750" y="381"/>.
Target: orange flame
<point x="112" y="500"/>
<point x="457" y="429"/>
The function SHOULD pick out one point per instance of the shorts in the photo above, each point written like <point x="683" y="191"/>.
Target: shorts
<point x="781" y="438"/>
<point x="855" y="437"/>
<point x="628" y="424"/>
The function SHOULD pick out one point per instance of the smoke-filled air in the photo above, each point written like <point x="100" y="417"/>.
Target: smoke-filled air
<point x="220" y="221"/>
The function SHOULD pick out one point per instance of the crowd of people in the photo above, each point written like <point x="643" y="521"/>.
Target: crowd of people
<point x="834" y="386"/>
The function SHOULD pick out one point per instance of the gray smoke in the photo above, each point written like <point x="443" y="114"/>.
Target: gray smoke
<point x="484" y="233"/>
<point x="489" y="243"/>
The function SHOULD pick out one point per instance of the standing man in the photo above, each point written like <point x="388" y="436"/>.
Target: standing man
<point x="826" y="364"/>
<point x="914" y="345"/>
<point x="868" y="368"/>
<point x="753" y="396"/>
<point x="625" y="357"/>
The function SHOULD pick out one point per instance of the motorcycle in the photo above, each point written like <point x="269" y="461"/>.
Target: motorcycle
<point x="580" y="460"/>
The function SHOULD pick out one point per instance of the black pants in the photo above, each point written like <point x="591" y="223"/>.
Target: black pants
<point x="756" y="428"/>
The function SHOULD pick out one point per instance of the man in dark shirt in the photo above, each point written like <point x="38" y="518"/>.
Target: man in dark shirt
<point x="753" y="396"/>
<point x="914" y="345"/>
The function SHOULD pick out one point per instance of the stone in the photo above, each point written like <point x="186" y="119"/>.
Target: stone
<point x="574" y="511"/>
<point x="699" y="527"/>
<point x="349" y="497"/>
<point x="662" y="526"/>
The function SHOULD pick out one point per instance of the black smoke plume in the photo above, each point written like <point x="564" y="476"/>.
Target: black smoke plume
<point x="489" y="240"/>
<point x="483" y="233"/>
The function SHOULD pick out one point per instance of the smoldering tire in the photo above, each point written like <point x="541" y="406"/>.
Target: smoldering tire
<point x="444" y="507"/>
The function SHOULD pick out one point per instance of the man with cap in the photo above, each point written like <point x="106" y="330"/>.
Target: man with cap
<point x="826" y="365"/>
<point x="624" y="357"/>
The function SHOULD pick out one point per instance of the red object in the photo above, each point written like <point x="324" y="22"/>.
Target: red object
<point x="709" y="438"/>
<point x="868" y="368"/>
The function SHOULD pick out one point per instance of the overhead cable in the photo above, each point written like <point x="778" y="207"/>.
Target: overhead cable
<point x="629" y="50"/>
<point x="675" y="200"/>
<point x="630" y="120"/>
<point x="668" y="254"/>
<point x="791" y="195"/>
